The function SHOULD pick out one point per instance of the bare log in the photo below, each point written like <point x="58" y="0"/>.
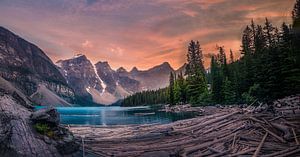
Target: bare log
<point x="260" y="146"/>
<point x="201" y="146"/>
<point x="243" y="152"/>
<point x="280" y="152"/>
<point x="290" y="153"/>
<point x="295" y="136"/>
<point x="273" y="134"/>
<point x="207" y="122"/>
<point x="214" y="150"/>
<point x="233" y="142"/>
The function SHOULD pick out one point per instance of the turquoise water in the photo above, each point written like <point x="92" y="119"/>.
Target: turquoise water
<point x="115" y="115"/>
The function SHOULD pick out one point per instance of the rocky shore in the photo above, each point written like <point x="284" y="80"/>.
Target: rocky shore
<point x="255" y="130"/>
<point x="19" y="135"/>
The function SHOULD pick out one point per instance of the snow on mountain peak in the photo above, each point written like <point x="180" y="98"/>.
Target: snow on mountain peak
<point x="78" y="55"/>
<point x="102" y="82"/>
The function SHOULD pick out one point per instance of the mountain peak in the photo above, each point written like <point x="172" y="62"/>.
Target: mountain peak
<point x="165" y="66"/>
<point x="103" y="65"/>
<point x="78" y="55"/>
<point x="121" y="70"/>
<point x="76" y="58"/>
<point x="134" y="69"/>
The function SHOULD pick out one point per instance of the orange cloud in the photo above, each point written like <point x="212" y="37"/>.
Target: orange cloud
<point x="136" y="33"/>
<point x="87" y="44"/>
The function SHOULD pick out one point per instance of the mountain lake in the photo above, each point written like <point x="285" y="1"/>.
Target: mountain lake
<point x="116" y="115"/>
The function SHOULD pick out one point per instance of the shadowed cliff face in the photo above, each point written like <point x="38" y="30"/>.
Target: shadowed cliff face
<point x="80" y="74"/>
<point x="27" y="66"/>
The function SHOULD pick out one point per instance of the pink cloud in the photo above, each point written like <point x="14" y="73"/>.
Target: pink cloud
<point x="137" y="33"/>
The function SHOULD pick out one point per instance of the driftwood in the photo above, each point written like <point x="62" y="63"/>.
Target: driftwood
<point x="230" y="131"/>
<point x="273" y="134"/>
<point x="281" y="152"/>
<point x="295" y="136"/>
<point x="260" y="145"/>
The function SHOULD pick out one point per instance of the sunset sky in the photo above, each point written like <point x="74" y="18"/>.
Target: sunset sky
<point x="140" y="33"/>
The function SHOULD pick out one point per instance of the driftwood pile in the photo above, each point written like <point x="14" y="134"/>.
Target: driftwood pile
<point x="182" y="108"/>
<point x="253" y="131"/>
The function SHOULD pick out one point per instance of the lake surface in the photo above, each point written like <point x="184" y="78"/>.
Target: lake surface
<point x="115" y="115"/>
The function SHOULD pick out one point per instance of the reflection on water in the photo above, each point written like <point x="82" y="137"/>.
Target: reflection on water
<point x="115" y="115"/>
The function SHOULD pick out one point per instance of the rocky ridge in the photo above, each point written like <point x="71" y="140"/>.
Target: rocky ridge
<point x="103" y="85"/>
<point x="26" y="66"/>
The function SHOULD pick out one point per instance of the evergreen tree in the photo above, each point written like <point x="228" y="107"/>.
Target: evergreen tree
<point x="196" y="84"/>
<point x="260" y="41"/>
<point x="231" y="56"/>
<point x="268" y="69"/>
<point x="246" y="42"/>
<point x="176" y="92"/>
<point x="171" y="89"/>
<point x="290" y="70"/>
<point x="246" y="69"/>
<point x="150" y="97"/>
<point x="180" y="90"/>
<point x="223" y="62"/>
<point x="228" y="92"/>
<point x="216" y="86"/>
<point x="269" y="32"/>
<point x="296" y="34"/>
<point x="194" y="59"/>
<point x="296" y="15"/>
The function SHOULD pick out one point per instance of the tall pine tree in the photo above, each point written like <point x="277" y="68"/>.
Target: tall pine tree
<point x="171" y="89"/>
<point x="196" y="84"/>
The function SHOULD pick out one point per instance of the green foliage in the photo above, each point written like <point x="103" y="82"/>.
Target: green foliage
<point x="267" y="70"/>
<point x="249" y="97"/>
<point x="180" y="89"/>
<point x="44" y="129"/>
<point x="228" y="92"/>
<point x="296" y="14"/>
<point x="205" y="98"/>
<point x="151" y="97"/>
<point x="194" y="59"/>
<point x="196" y="83"/>
<point x="171" y="89"/>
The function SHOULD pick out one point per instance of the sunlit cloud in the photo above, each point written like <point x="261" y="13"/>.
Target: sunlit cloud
<point x="87" y="44"/>
<point x="140" y="33"/>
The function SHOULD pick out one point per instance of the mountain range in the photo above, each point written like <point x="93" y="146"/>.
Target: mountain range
<point x="72" y="81"/>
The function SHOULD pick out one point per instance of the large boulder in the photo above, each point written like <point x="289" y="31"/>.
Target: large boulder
<point x="17" y="136"/>
<point x="53" y="133"/>
<point x="48" y="116"/>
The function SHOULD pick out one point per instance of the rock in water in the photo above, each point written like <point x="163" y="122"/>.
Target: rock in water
<point x="46" y="116"/>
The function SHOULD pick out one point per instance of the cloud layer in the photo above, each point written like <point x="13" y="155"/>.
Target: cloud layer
<point x="138" y="33"/>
